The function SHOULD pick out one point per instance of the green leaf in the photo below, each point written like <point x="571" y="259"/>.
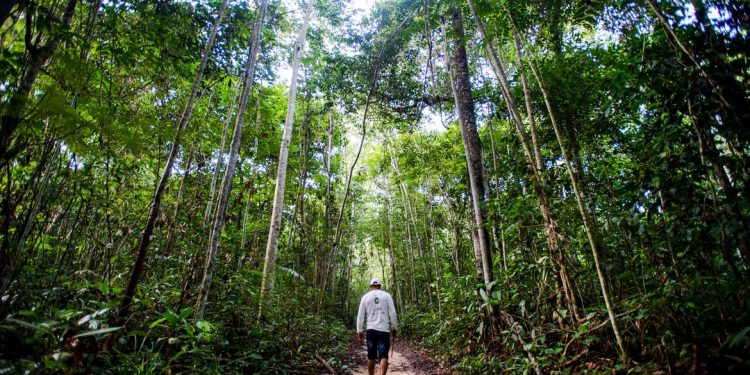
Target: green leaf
<point x="204" y="326"/>
<point x="98" y="332"/>
<point x="157" y="322"/>
<point x="483" y="293"/>
<point x="186" y="312"/>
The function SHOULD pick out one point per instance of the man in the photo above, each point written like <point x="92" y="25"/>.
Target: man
<point x="377" y="305"/>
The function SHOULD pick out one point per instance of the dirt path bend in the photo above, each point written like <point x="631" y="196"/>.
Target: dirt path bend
<point x="405" y="359"/>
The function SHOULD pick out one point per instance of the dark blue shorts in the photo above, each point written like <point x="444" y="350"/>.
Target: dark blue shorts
<point x="378" y="344"/>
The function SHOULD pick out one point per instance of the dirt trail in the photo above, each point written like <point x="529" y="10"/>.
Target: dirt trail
<point x="406" y="359"/>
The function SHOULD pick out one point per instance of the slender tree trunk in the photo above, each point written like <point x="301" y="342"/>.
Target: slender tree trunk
<point x="234" y="151"/>
<point x="329" y="177"/>
<point x="472" y="143"/>
<point x="15" y="266"/>
<point x="456" y="226"/>
<point x="250" y="191"/>
<point x="305" y="146"/>
<point x="436" y="262"/>
<point x="529" y="109"/>
<point x="389" y="236"/>
<point x="405" y="194"/>
<point x="245" y="215"/>
<point x="349" y="175"/>
<point x="588" y="221"/>
<point x="278" y="197"/>
<point x="498" y="225"/>
<point x="145" y="239"/>
<point x="220" y="156"/>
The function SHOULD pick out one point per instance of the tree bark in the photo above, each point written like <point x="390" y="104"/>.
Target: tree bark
<point x="269" y="266"/>
<point x="472" y="143"/>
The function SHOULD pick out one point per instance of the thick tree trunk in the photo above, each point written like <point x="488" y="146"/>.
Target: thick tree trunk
<point x="234" y="152"/>
<point x="472" y="143"/>
<point x="278" y="198"/>
<point x="148" y="230"/>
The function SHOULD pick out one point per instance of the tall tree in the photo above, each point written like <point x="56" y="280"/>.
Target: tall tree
<point x="234" y="152"/>
<point x="461" y="84"/>
<point x="278" y="195"/>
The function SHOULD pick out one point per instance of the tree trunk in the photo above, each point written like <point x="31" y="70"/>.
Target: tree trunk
<point x="349" y="175"/>
<point x="405" y="195"/>
<point x="389" y="243"/>
<point x="497" y="225"/>
<point x="220" y="157"/>
<point x="529" y="110"/>
<point x="266" y="288"/>
<point x="234" y="152"/>
<point x="472" y="143"/>
<point x="145" y="239"/>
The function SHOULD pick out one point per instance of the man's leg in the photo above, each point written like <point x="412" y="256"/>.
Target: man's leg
<point x="384" y="345"/>
<point x="383" y="366"/>
<point x="372" y="351"/>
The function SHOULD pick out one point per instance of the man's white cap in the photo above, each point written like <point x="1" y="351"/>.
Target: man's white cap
<point x="375" y="281"/>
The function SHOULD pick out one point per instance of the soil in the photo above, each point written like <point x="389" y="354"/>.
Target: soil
<point x="406" y="359"/>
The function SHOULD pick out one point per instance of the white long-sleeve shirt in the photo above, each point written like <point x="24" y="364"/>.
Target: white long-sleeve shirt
<point x="378" y="306"/>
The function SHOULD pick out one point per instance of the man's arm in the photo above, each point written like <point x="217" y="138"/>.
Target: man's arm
<point x="361" y="315"/>
<point x="392" y="315"/>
